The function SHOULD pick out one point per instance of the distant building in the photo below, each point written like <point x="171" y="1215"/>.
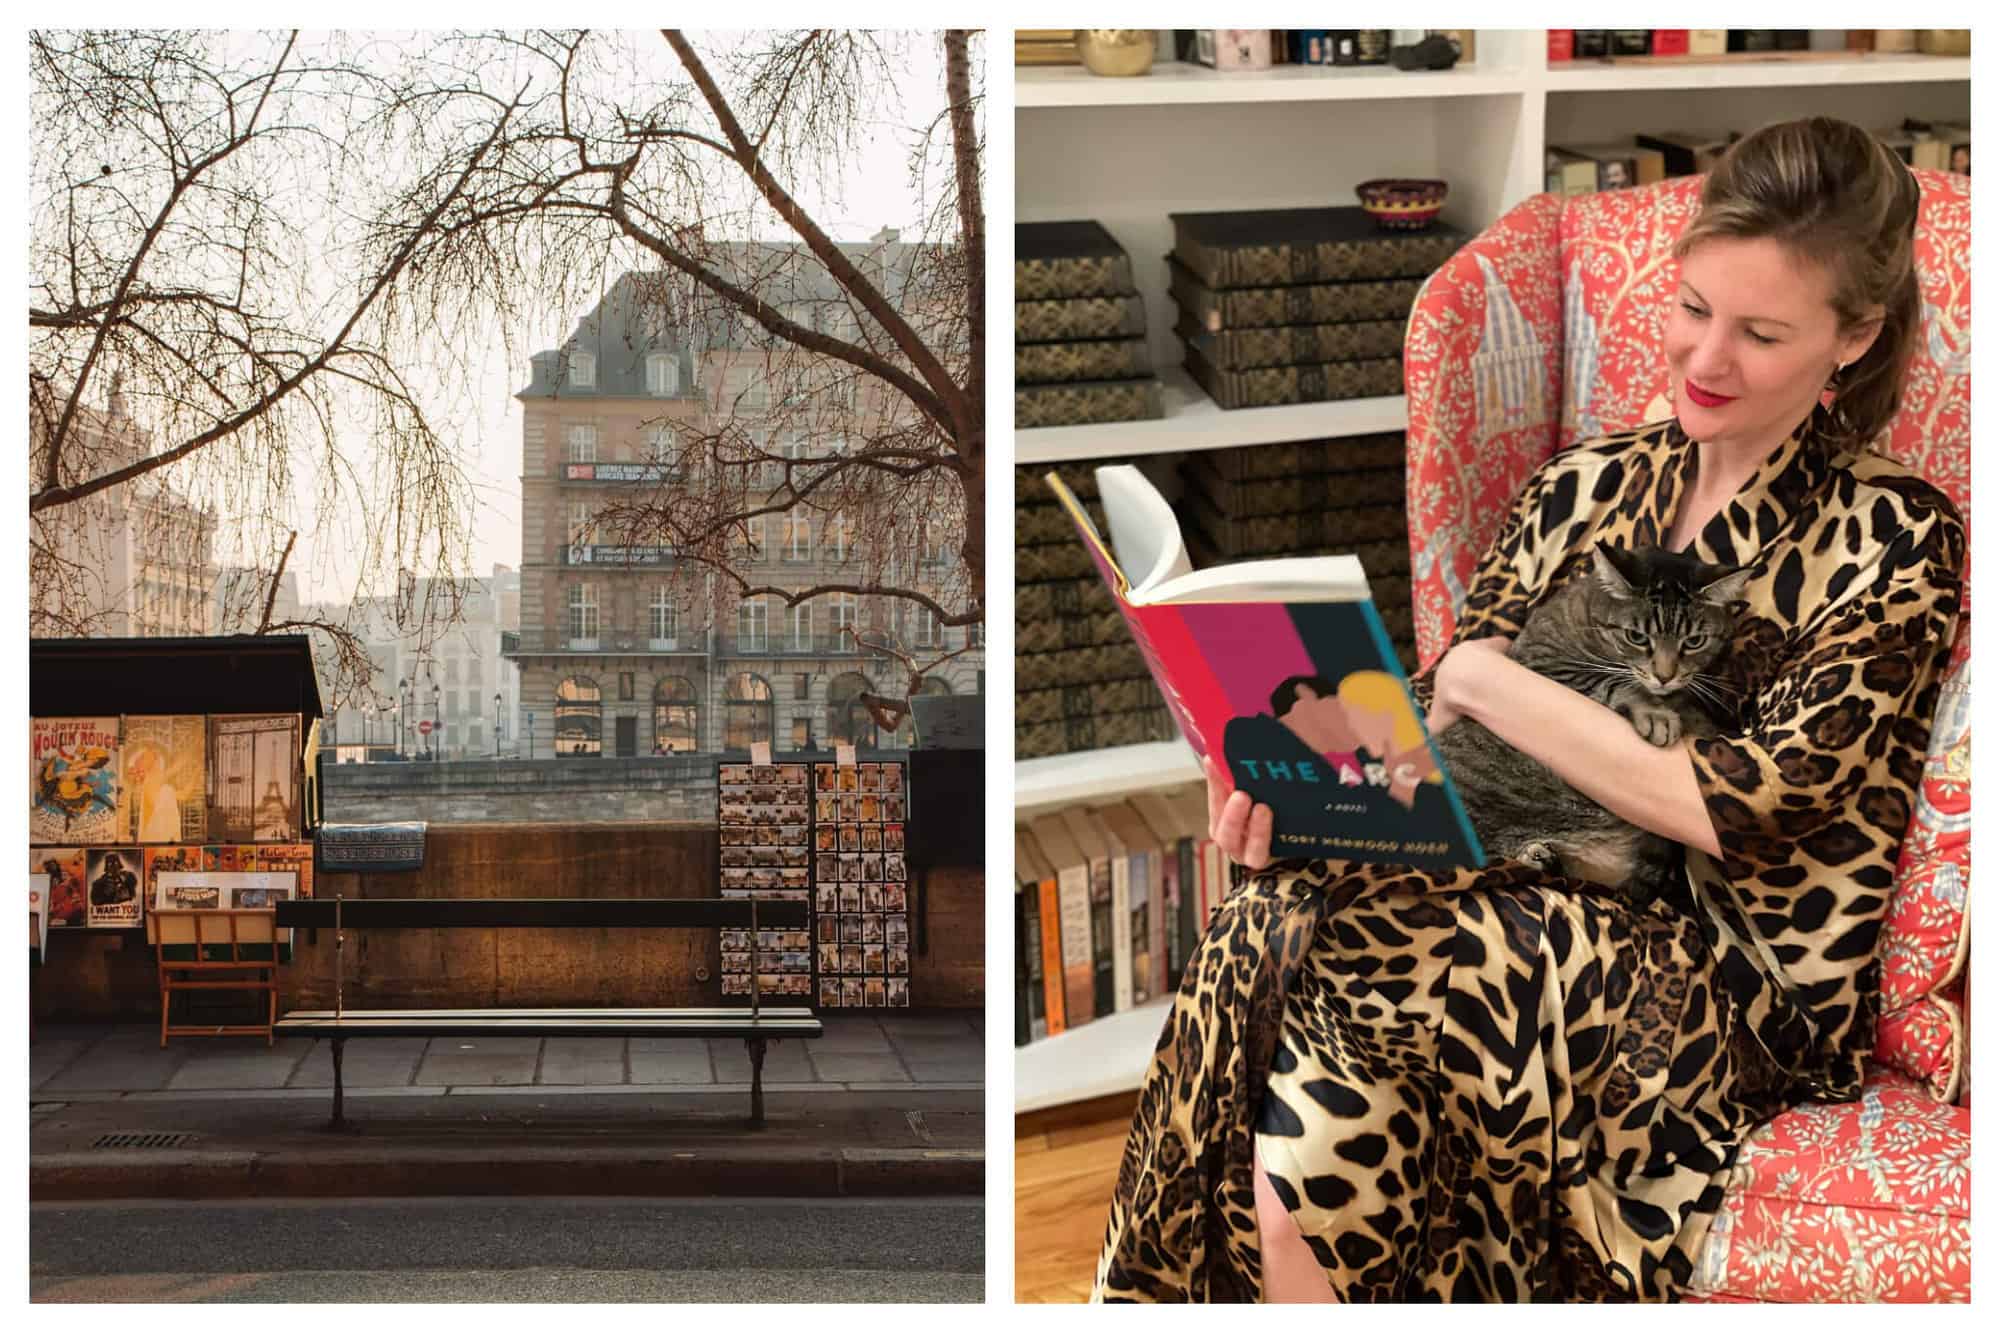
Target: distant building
<point x="137" y="559"/>
<point x="447" y="678"/>
<point x="623" y="651"/>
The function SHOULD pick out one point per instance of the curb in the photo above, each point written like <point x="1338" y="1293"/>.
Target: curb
<point x="678" y="1173"/>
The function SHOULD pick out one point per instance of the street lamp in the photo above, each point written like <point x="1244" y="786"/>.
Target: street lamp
<point x="437" y="699"/>
<point x="531" y="735"/>
<point x="402" y="717"/>
<point x="367" y="729"/>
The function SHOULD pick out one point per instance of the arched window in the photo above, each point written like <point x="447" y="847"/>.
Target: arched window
<point x="746" y="711"/>
<point x="579" y="717"/>
<point x="676" y="717"/>
<point x="847" y="718"/>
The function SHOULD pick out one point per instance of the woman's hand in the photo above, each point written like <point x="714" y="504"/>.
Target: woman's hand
<point x="1456" y="671"/>
<point x="1243" y="830"/>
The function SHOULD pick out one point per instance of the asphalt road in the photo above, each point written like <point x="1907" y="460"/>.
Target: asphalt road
<point x="509" y="1250"/>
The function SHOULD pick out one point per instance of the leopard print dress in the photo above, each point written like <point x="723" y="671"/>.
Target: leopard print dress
<point x="1502" y="1085"/>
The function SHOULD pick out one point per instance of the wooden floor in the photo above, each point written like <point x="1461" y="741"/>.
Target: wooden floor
<point x="1065" y="1164"/>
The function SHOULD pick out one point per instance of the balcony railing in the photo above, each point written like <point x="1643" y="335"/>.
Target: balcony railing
<point x="612" y="641"/>
<point x="781" y="644"/>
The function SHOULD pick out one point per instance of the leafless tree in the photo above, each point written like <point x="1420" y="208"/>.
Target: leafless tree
<point x="192" y="195"/>
<point x="846" y="380"/>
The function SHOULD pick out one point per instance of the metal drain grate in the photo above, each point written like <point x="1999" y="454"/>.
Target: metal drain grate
<point x="142" y="1141"/>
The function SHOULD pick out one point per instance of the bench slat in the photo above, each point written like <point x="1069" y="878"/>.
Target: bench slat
<point x="789" y="1022"/>
<point x="500" y="913"/>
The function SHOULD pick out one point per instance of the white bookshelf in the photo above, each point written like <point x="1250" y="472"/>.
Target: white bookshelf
<point x="1127" y="152"/>
<point x="1098" y="777"/>
<point x="1193" y="422"/>
<point x="1104" y="1056"/>
<point x="1779" y="70"/>
<point x="1195" y="85"/>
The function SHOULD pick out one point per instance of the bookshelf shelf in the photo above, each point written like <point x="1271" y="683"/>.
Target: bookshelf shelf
<point x="1182" y="85"/>
<point x="1779" y="70"/>
<point x="1193" y="422"/>
<point x="1102" y="776"/>
<point x="1104" y="1056"/>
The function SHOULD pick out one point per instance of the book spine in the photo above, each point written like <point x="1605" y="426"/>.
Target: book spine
<point x="1141" y="931"/>
<point x="1218" y="880"/>
<point x="1170" y="914"/>
<point x="1156" y="902"/>
<point x="1185" y="889"/>
<point x="1562" y="45"/>
<point x="1333" y="381"/>
<point x="1079" y="971"/>
<point x="1081" y="362"/>
<point x="1023" y="1024"/>
<point x="1088" y="317"/>
<point x="1030" y="927"/>
<point x="1670" y="41"/>
<point x="1091" y="402"/>
<point x="1121" y="931"/>
<point x="1069" y="279"/>
<point x="1104" y="986"/>
<point x="1190" y="889"/>
<point x="1052" y="956"/>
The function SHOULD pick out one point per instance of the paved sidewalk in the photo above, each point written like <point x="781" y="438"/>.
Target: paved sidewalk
<point x="888" y="1104"/>
<point x="858" y="1053"/>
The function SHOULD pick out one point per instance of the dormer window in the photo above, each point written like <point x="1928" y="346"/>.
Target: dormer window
<point x="582" y="370"/>
<point x="663" y="375"/>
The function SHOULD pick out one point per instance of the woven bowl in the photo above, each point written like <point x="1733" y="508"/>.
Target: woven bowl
<point x="1403" y="205"/>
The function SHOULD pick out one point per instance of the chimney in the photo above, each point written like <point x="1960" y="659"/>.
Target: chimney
<point x="886" y="236"/>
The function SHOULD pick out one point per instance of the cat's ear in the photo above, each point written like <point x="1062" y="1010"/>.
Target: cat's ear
<point x="1612" y="574"/>
<point x="1726" y="589"/>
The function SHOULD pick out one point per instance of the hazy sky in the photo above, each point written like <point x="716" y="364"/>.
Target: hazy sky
<point x="873" y="191"/>
<point x="472" y="404"/>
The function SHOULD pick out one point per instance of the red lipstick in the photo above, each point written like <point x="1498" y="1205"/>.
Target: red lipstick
<point x="1703" y="398"/>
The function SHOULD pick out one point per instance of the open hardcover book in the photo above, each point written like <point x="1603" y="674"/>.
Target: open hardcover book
<point x="1281" y="673"/>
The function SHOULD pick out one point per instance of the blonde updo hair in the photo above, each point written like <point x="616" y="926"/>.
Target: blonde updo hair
<point x="1835" y="197"/>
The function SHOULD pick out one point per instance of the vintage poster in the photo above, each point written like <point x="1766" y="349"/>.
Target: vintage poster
<point x="175" y="897"/>
<point x="113" y="874"/>
<point x="38" y="914"/>
<point x="169" y="861"/>
<point x="165" y="791"/>
<point x="202" y="890"/>
<point x="253" y="778"/>
<point x="69" y="899"/>
<point x="295" y="858"/>
<point x="73" y="780"/>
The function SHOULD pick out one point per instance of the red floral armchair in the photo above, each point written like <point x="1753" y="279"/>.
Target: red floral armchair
<point x="1547" y="329"/>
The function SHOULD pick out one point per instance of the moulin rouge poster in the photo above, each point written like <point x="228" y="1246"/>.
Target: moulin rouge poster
<point x="73" y="780"/>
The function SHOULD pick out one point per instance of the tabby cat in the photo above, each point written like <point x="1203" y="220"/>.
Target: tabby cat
<point x="1641" y="634"/>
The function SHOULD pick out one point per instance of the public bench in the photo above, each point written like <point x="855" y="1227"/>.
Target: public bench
<point x="755" y="1023"/>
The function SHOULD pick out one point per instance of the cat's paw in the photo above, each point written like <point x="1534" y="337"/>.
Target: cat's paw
<point x="1656" y="725"/>
<point x="1541" y="855"/>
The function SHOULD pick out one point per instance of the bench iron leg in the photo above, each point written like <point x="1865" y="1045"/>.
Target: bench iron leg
<point x="338" y="1042"/>
<point x="756" y="1045"/>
